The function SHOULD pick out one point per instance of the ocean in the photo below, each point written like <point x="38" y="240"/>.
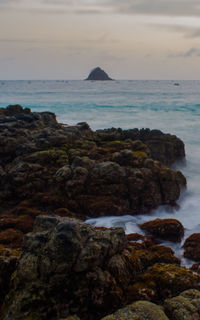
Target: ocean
<point x="150" y="104"/>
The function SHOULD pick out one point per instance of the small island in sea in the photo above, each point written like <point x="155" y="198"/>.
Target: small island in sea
<point x="98" y="74"/>
<point x="54" y="265"/>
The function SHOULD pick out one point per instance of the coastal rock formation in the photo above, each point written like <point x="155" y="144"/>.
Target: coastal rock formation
<point x="192" y="247"/>
<point x="98" y="74"/>
<point x="70" y="268"/>
<point x="166" y="229"/>
<point x="80" y="172"/>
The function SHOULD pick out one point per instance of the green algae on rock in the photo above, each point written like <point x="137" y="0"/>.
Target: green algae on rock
<point x="68" y="268"/>
<point x="140" y="310"/>
<point x="186" y="306"/>
<point x="105" y="172"/>
<point x="95" y="269"/>
<point x="170" y="279"/>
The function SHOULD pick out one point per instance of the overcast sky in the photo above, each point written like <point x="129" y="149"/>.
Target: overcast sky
<point x="130" y="39"/>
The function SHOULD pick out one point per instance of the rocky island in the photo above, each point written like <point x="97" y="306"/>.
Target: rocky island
<point x="53" y="265"/>
<point x="98" y="74"/>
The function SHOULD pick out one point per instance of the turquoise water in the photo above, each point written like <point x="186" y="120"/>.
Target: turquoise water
<point x="126" y="104"/>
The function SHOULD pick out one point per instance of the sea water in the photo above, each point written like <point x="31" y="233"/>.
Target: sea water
<point x="160" y="105"/>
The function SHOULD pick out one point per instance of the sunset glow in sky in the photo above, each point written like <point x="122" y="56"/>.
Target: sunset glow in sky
<point x="130" y="39"/>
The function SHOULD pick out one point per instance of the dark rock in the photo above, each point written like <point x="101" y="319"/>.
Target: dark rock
<point x="98" y="74"/>
<point x="166" y="229"/>
<point x="192" y="247"/>
<point x="64" y="259"/>
<point x="7" y="267"/>
<point x="111" y="171"/>
<point x="67" y="267"/>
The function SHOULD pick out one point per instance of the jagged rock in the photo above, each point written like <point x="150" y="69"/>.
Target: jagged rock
<point x="70" y="268"/>
<point x="167" y="229"/>
<point x="98" y="74"/>
<point x="108" y="172"/>
<point x="63" y="259"/>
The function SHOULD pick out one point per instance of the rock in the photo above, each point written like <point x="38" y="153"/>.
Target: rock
<point x="64" y="259"/>
<point x="50" y="168"/>
<point x="166" y="229"/>
<point x="140" y="310"/>
<point x="69" y="268"/>
<point x="166" y="148"/>
<point x="169" y="280"/>
<point x="196" y="267"/>
<point x="192" y="247"/>
<point x="92" y="172"/>
<point x="135" y="237"/>
<point x="98" y="74"/>
<point x="149" y="254"/>
<point x="11" y="237"/>
<point x="184" y="306"/>
<point x="7" y="267"/>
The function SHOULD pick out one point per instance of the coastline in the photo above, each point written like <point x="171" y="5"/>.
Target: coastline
<point x="50" y="169"/>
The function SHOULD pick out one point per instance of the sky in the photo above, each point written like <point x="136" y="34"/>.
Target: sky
<point x="129" y="39"/>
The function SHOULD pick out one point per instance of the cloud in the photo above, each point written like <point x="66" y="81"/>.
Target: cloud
<point x="19" y="40"/>
<point x="144" y="7"/>
<point x="193" y="52"/>
<point x="181" y="8"/>
<point x="187" y="31"/>
<point x="9" y="2"/>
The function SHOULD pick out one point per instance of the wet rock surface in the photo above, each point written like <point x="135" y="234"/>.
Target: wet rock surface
<point x="166" y="229"/>
<point x="185" y="306"/>
<point x="192" y="247"/>
<point x="70" y="268"/>
<point x="107" y="172"/>
<point x="140" y="310"/>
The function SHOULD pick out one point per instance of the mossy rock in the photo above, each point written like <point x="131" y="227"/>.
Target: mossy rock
<point x="85" y="144"/>
<point x="170" y="279"/>
<point x="181" y="308"/>
<point x="116" y="145"/>
<point x="141" y="290"/>
<point x="56" y="157"/>
<point x="155" y="254"/>
<point x="8" y="252"/>
<point x="11" y="237"/>
<point x="140" y="310"/>
<point x="32" y="316"/>
<point x="140" y="155"/>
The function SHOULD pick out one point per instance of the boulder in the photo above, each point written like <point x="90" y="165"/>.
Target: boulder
<point x="168" y="280"/>
<point x="140" y="310"/>
<point x="192" y="247"/>
<point x="166" y="229"/>
<point x="62" y="270"/>
<point x="184" y="306"/>
<point x="98" y="74"/>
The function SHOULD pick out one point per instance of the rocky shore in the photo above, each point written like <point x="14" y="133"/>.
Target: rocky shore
<point x="55" y="266"/>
